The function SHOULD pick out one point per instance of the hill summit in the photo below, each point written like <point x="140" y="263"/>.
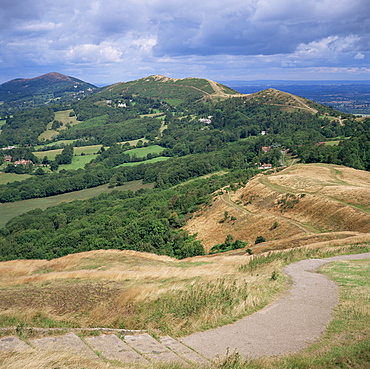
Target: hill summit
<point x="162" y="87"/>
<point x="37" y="91"/>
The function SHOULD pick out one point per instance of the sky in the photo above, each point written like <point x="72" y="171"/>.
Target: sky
<point x="110" y="41"/>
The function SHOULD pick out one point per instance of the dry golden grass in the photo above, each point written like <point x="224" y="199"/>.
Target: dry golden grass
<point x="345" y="343"/>
<point x="60" y="360"/>
<point x="286" y="206"/>
<point x="125" y="289"/>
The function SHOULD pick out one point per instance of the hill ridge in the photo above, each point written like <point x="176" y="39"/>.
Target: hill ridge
<point x="300" y="201"/>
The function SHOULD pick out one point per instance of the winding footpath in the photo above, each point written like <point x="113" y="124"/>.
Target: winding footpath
<point x="288" y="325"/>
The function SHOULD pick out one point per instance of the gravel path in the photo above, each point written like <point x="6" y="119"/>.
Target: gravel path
<point x="288" y="325"/>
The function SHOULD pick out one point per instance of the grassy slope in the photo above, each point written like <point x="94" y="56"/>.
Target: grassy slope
<point x="300" y="205"/>
<point x="154" y="160"/>
<point x="139" y="290"/>
<point x="77" y="162"/>
<point x="144" y="151"/>
<point x="61" y="116"/>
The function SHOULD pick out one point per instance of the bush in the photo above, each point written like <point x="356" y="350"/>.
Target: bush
<point x="259" y="239"/>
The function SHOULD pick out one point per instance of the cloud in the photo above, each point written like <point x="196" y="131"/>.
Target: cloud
<point x="91" y="54"/>
<point x="38" y="27"/>
<point x="182" y="36"/>
<point x="359" y="56"/>
<point x="327" y="47"/>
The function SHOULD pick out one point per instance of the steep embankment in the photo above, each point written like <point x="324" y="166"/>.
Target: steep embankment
<point x="300" y="205"/>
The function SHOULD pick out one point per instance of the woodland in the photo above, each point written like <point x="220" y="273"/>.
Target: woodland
<point x="225" y="152"/>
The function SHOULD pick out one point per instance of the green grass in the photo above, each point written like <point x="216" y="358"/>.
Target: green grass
<point x="60" y="142"/>
<point x="12" y="209"/>
<point x="144" y="151"/>
<point x="63" y="116"/>
<point x="88" y="150"/>
<point x="174" y="102"/>
<point x="332" y="143"/>
<point x="2" y="122"/>
<point x="12" y="177"/>
<point x="155" y="160"/>
<point x="93" y="122"/>
<point x="77" y="162"/>
<point x="51" y="154"/>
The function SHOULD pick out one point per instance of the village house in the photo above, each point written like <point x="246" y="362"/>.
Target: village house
<point x="265" y="166"/>
<point x="207" y="120"/>
<point x="22" y="162"/>
<point x="7" y="158"/>
<point x="266" y="148"/>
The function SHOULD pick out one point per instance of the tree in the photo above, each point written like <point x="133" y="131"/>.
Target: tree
<point x="66" y="156"/>
<point x="39" y="171"/>
<point x="54" y="166"/>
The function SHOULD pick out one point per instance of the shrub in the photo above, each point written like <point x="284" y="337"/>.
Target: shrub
<point x="259" y="239"/>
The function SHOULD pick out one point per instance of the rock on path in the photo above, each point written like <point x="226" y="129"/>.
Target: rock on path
<point x="288" y="325"/>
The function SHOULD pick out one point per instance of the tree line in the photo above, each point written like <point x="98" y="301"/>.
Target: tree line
<point x="145" y="220"/>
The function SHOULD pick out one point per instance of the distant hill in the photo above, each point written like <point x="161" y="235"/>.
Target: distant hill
<point x="287" y="101"/>
<point x="23" y="93"/>
<point x="172" y="89"/>
<point x="176" y="91"/>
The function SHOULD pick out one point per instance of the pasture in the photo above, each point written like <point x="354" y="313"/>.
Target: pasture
<point x="63" y="117"/>
<point x="60" y="142"/>
<point x="77" y="162"/>
<point x="154" y="160"/>
<point x="12" y="177"/>
<point x="144" y="151"/>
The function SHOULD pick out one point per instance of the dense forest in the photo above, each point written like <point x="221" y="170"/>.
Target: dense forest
<point x="147" y="220"/>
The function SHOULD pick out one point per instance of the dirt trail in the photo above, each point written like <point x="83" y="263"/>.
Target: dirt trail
<point x="288" y="325"/>
<point x="296" y="224"/>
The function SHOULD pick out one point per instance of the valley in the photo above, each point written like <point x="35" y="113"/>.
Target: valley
<point x="172" y="206"/>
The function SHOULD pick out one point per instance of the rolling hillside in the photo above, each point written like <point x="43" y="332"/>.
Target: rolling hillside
<point x="303" y="204"/>
<point x="48" y="88"/>
<point x="174" y="90"/>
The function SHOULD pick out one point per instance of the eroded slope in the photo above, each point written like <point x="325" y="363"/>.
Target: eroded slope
<point x="299" y="205"/>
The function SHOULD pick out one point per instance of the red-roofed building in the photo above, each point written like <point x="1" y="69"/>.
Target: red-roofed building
<point x="22" y="162"/>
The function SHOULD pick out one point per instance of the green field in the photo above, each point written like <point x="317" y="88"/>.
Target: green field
<point x="87" y="150"/>
<point x="144" y="151"/>
<point x="12" y="177"/>
<point x="51" y="154"/>
<point x="11" y="209"/>
<point x="2" y="122"/>
<point x="77" y="162"/>
<point x="174" y="102"/>
<point x="332" y="143"/>
<point x="133" y="142"/>
<point x="155" y="160"/>
<point x="61" y="142"/>
<point x="63" y="117"/>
